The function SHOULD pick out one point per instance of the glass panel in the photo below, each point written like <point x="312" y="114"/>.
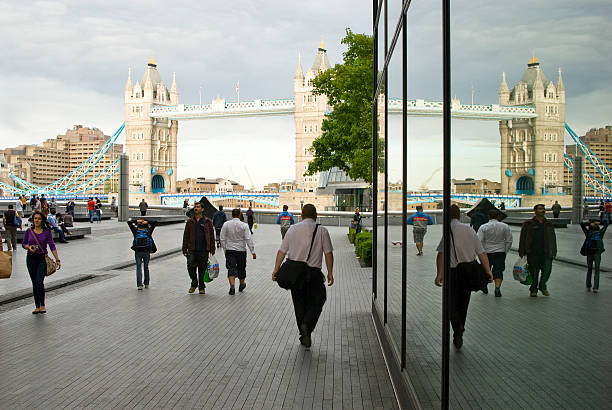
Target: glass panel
<point x="394" y="10"/>
<point x="380" y="246"/>
<point x="381" y="38"/>
<point x="424" y="161"/>
<point x="395" y="170"/>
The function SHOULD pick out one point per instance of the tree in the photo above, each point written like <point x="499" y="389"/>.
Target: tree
<point x="346" y="139"/>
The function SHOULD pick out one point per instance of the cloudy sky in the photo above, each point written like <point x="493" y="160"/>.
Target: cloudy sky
<point x="66" y="62"/>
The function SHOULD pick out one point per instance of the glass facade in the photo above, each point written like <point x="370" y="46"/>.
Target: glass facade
<point x="514" y="355"/>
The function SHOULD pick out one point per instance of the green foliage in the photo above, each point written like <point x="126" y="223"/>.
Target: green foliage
<point x="346" y="139"/>
<point x="363" y="246"/>
<point x="351" y="234"/>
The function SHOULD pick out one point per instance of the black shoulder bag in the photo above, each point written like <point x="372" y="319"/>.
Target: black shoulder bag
<point x="291" y="272"/>
<point x="472" y="274"/>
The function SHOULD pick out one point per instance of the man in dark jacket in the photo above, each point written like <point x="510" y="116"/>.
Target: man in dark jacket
<point x="556" y="209"/>
<point x="539" y="243"/>
<point x="198" y="242"/>
<point x="219" y="218"/>
<point x="142" y="251"/>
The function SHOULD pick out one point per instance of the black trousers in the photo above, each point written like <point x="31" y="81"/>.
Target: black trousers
<point x="309" y="299"/>
<point x="196" y="267"/>
<point x="459" y="301"/>
<point x="37" y="268"/>
<point x="143" y="213"/>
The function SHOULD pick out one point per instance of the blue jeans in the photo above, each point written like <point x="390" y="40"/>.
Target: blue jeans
<point x="91" y="216"/>
<point x="595" y="258"/>
<point x="142" y="258"/>
<point x="98" y="215"/>
<point x="62" y="237"/>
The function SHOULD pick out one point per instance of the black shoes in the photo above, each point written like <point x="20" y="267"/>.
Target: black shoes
<point x="497" y="293"/>
<point x="305" y="337"/>
<point x="458" y="339"/>
<point x="232" y="290"/>
<point x="241" y="287"/>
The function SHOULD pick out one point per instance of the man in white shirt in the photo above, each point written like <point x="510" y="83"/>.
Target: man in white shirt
<point x="235" y="237"/>
<point x="496" y="239"/>
<point x="465" y="247"/>
<point x="308" y="299"/>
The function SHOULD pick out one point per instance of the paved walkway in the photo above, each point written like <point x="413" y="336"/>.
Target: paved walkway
<point x="519" y="352"/>
<point x="107" y="345"/>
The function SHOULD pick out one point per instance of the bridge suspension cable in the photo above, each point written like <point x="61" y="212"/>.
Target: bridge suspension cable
<point x="601" y="168"/>
<point x="73" y="182"/>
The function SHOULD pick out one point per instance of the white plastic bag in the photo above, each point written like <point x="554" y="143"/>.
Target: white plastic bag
<point x="213" y="267"/>
<point x="520" y="270"/>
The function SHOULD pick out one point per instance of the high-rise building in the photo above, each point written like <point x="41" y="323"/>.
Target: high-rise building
<point x="532" y="149"/>
<point x="599" y="141"/>
<point x="55" y="158"/>
<point x="310" y="110"/>
<point x="150" y="142"/>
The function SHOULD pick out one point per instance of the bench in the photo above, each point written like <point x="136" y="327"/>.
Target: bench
<point x="75" y="233"/>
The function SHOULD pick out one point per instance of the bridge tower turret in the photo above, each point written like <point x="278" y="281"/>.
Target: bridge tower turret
<point x="150" y="142"/>
<point x="309" y="113"/>
<point x="532" y="149"/>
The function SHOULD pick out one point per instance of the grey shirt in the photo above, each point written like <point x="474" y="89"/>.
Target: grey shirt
<point x="297" y="243"/>
<point x="466" y="243"/>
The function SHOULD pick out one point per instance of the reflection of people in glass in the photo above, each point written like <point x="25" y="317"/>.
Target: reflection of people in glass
<point x="465" y="246"/>
<point x="419" y="221"/>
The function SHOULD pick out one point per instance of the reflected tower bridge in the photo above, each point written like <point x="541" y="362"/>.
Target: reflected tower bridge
<point x="221" y="109"/>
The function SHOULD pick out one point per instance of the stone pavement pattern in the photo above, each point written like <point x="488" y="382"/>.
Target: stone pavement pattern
<point x="108" y="345"/>
<point x="518" y="352"/>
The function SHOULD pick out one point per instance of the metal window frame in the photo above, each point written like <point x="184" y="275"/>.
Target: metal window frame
<point x="402" y="24"/>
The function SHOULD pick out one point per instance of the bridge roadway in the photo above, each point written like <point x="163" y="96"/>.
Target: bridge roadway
<point x="104" y="344"/>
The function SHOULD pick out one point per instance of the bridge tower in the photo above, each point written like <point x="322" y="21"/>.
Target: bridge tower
<point x="309" y="113"/>
<point x="532" y="149"/>
<point x="150" y="142"/>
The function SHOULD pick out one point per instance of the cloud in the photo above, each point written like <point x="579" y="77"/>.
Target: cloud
<point x="65" y="63"/>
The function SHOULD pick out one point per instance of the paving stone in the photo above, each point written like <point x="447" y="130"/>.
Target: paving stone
<point x="109" y="345"/>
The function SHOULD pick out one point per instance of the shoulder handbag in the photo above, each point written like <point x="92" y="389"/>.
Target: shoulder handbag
<point x="290" y="272"/>
<point x="473" y="275"/>
<point x="6" y="264"/>
<point x="51" y="266"/>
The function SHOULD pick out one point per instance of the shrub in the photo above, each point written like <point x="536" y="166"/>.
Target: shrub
<point x="351" y="235"/>
<point x="363" y="247"/>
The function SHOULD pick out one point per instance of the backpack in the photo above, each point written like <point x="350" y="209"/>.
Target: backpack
<point x="142" y="241"/>
<point x="592" y="243"/>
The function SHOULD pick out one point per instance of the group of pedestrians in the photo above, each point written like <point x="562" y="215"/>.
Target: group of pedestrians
<point x="300" y="242"/>
<point x="94" y="208"/>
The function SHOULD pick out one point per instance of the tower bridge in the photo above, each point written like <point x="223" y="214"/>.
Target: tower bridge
<point x="531" y="119"/>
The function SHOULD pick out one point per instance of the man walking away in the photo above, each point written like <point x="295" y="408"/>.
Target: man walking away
<point x="198" y="242"/>
<point x="556" y="209"/>
<point x="98" y="209"/>
<point x="608" y="211"/>
<point x="143" y="206"/>
<point x="496" y="239"/>
<point x="285" y="220"/>
<point x="33" y="202"/>
<point x="250" y="219"/>
<point x="91" y="208"/>
<point x="235" y="237"/>
<point x="143" y="246"/>
<point x="55" y="227"/>
<point x="539" y="243"/>
<point x="592" y="248"/>
<point x="219" y="218"/>
<point x="309" y="298"/>
<point x="9" y="220"/>
<point x="465" y="247"/>
<point x="70" y="208"/>
<point x="419" y="221"/>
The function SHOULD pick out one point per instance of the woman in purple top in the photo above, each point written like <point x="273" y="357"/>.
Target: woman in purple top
<point x="35" y="259"/>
